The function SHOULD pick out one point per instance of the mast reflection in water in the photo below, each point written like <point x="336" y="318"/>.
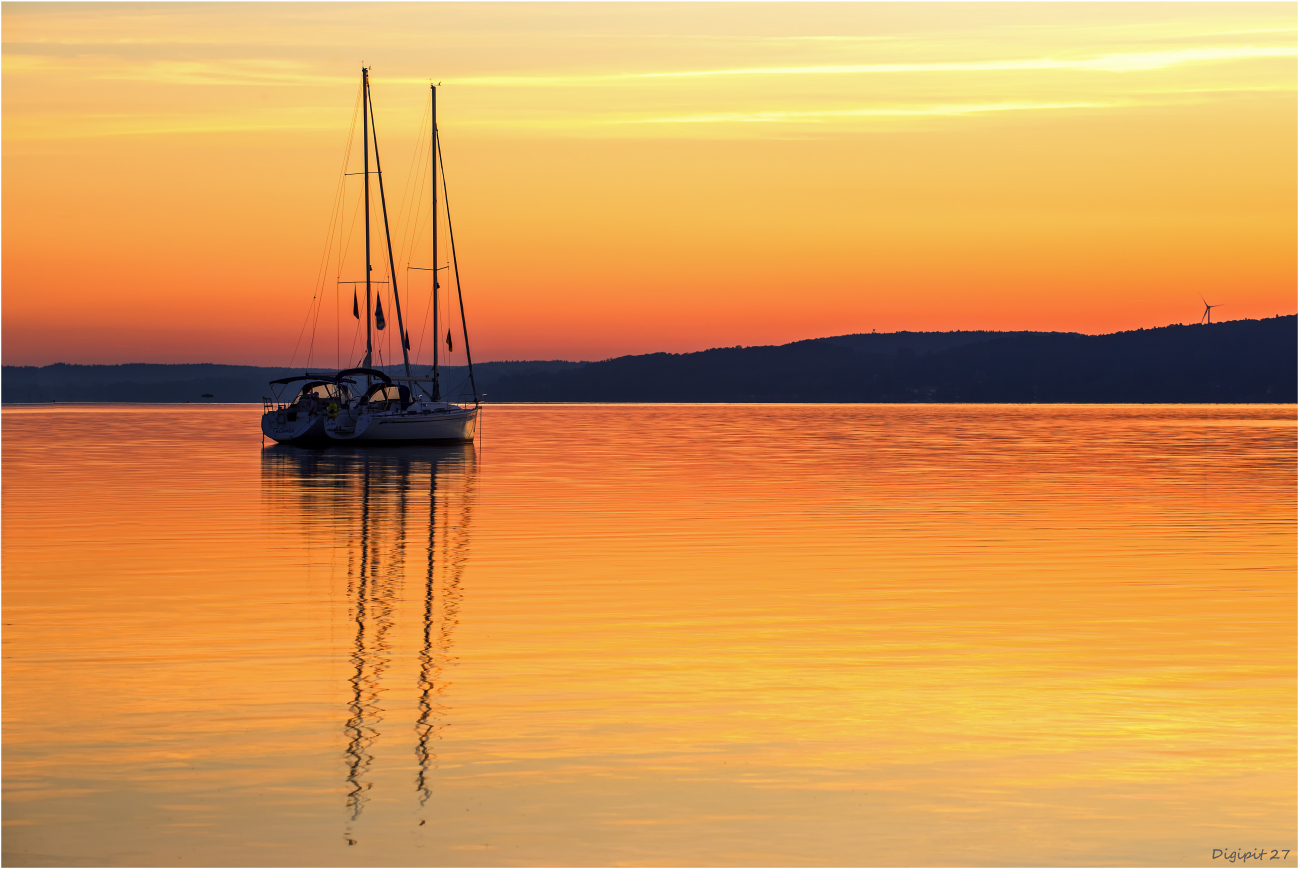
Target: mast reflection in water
<point x="396" y="521"/>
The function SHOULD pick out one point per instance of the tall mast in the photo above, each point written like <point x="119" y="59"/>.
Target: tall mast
<point x="433" y="183"/>
<point x="365" y="148"/>
<point x="388" y="239"/>
<point x="456" y="271"/>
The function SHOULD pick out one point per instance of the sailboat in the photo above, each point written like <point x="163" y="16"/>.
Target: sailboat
<point x="366" y="404"/>
<point x="301" y="420"/>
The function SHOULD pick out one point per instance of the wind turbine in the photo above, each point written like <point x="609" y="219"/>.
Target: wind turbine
<point x="1205" y="318"/>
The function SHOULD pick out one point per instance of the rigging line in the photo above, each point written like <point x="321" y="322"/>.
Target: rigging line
<point x="415" y="213"/>
<point x="319" y="297"/>
<point x="333" y="240"/>
<point x="313" y="315"/>
<point x="352" y="351"/>
<point x="460" y="297"/>
<point x="301" y="332"/>
<point x="426" y="176"/>
<point x="437" y="325"/>
<point x="409" y="206"/>
<point x="441" y="306"/>
<point x="444" y="308"/>
<point x="320" y="303"/>
<point x="459" y="388"/>
<point x="388" y="333"/>
<point x="424" y="321"/>
<point x="339" y="192"/>
<point x="297" y="344"/>
<point x="320" y="283"/>
<point x="414" y="228"/>
<point x="418" y="228"/>
<point x="433" y="287"/>
<point x="385" y="340"/>
<point x="388" y="243"/>
<point x="416" y="174"/>
<point x="323" y="268"/>
<point x="338" y="271"/>
<point x="352" y="229"/>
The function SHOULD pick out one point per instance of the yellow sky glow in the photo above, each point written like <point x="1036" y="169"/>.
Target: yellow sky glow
<point x="637" y="177"/>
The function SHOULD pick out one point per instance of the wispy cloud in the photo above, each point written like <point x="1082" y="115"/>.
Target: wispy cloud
<point x="1137" y="61"/>
<point x="225" y="73"/>
<point x="912" y="111"/>
<point x="50" y="127"/>
<point x="263" y="72"/>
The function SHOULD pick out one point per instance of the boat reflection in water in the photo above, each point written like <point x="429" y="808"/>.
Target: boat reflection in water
<point x="397" y="522"/>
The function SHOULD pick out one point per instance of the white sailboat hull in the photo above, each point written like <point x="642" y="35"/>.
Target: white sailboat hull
<point x="417" y="425"/>
<point x="288" y="427"/>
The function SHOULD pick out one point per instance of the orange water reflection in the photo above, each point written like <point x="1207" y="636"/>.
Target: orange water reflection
<point x="381" y="506"/>
<point x="654" y="634"/>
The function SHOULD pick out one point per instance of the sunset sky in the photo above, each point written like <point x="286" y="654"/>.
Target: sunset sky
<point x="627" y="178"/>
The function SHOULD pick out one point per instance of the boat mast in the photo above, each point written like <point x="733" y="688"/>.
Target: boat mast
<point x="388" y="239"/>
<point x="433" y="184"/>
<point x="365" y="149"/>
<point x="456" y="271"/>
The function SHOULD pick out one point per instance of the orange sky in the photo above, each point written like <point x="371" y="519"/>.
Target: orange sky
<point x="636" y="177"/>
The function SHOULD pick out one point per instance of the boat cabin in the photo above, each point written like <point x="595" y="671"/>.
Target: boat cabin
<point x="319" y="390"/>
<point x="384" y="396"/>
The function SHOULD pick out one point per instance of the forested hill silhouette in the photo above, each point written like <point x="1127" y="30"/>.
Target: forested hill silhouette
<point x="200" y="383"/>
<point x="1234" y="361"/>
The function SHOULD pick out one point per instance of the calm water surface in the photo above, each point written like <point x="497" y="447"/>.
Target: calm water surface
<point x="797" y="634"/>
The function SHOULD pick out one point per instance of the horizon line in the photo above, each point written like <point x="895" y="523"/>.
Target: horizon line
<point x="682" y="353"/>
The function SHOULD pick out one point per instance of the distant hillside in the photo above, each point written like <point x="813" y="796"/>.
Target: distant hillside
<point x="1236" y="361"/>
<point x="181" y="383"/>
